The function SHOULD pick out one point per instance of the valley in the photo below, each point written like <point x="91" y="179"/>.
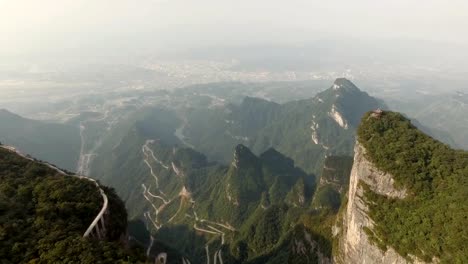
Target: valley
<point x="183" y="197"/>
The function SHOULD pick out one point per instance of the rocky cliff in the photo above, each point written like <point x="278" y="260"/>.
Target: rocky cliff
<point x="406" y="198"/>
<point x="354" y="244"/>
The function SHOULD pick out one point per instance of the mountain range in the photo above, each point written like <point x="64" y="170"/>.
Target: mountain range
<point x="208" y="179"/>
<point x="324" y="124"/>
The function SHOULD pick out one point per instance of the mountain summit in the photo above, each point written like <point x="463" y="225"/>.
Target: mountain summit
<point x="346" y="103"/>
<point x="345" y="84"/>
<point x="304" y="130"/>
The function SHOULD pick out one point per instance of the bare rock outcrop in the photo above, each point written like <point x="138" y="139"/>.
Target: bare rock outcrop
<point x="354" y="244"/>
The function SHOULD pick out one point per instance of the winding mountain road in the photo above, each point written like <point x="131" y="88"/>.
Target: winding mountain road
<point x="179" y="133"/>
<point x="98" y="224"/>
<point x="85" y="159"/>
<point x="207" y="226"/>
<point x="148" y="250"/>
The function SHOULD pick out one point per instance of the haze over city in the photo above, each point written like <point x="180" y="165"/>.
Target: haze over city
<point x="128" y="27"/>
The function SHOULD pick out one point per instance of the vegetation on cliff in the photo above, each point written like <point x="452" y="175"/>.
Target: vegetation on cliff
<point x="431" y="220"/>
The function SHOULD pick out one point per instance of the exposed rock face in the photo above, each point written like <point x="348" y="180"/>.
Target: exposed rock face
<point x="355" y="246"/>
<point x="336" y="115"/>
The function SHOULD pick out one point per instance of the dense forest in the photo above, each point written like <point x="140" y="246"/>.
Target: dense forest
<point x="431" y="220"/>
<point x="43" y="215"/>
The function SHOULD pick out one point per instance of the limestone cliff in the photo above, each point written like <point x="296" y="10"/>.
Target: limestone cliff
<point x="354" y="244"/>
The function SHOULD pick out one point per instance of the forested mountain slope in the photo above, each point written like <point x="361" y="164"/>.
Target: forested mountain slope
<point x="304" y="130"/>
<point x="44" y="214"/>
<point x="241" y="212"/>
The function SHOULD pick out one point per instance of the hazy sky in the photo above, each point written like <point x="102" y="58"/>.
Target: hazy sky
<point x="31" y="26"/>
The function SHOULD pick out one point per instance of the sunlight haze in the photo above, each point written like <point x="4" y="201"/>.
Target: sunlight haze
<point x="52" y="25"/>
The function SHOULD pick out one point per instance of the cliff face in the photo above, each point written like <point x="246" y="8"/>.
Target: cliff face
<point x="354" y="243"/>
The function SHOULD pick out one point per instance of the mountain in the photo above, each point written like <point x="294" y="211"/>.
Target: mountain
<point x="45" y="215"/>
<point x="248" y="206"/>
<point x="305" y="130"/>
<point x="188" y="202"/>
<point x="250" y="182"/>
<point x="407" y="197"/>
<point x="191" y="203"/>
<point x="53" y="142"/>
<point x="447" y="113"/>
<point x="443" y="114"/>
<point x="324" y="125"/>
<point x="119" y="159"/>
<point x="175" y="196"/>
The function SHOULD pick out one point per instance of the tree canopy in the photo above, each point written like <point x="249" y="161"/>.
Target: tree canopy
<point x="43" y="215"/>
<point x="431" y="220"/>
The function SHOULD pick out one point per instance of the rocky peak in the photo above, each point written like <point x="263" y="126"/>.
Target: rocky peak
<point x="344" y="84"/>
<point x="274" y="158"/>
<point x="189" y="158"/>
<point x="243" y="156"/>
<point x="341" y="88"/>
<point x="346" y="104"/>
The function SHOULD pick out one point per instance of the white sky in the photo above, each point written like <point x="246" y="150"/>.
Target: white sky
<point x="28" y="26"/>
